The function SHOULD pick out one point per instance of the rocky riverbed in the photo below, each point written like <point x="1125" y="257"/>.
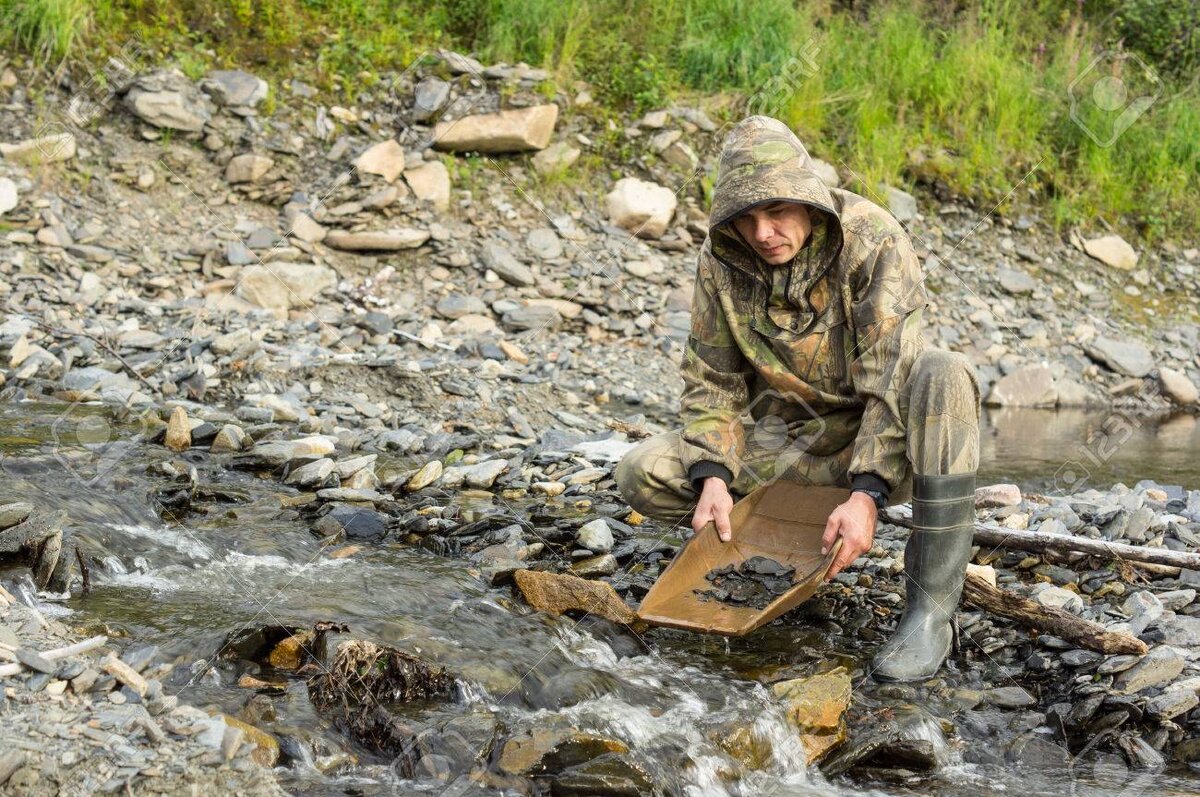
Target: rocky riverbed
<point x="327" y="350"/>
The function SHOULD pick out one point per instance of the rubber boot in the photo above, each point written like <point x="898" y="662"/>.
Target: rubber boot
<point x="935" y="564"/>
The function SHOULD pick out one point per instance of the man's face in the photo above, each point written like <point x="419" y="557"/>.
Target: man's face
<point x="776" y="231"/>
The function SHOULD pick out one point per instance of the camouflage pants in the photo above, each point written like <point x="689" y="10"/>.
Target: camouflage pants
<point x="941" y="405"/>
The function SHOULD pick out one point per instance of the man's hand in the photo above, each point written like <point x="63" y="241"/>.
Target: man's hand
<point x="854" y="522"/>
<point x="715" y="504"/>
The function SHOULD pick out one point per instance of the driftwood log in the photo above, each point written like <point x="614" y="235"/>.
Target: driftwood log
<point x="989" y="534"/>
<point x="1048" y="619"/>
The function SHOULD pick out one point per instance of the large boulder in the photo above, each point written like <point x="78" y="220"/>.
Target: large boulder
<point x="643" y="208"/>
<point x="520" y="130"/>
<point x="280" y="286"/>
<point x="1177" y="387"/>
<point x="815" y="707"/>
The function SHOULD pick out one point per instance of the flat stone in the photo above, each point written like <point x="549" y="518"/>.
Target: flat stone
<point x="532" y="316"/>
<point x="901" y="204"/>
<point x="518" y="130"/>
<point x="356" y="523"/>
<point x="481" y="475"/>
<point x="385" y="159"/>
<point x="457" y="305"/>
<point x="557" y="594"/>
<point x="544" y="243"/>
<point x="1172" y="703"/>
<point x="429" y="473"/>
<point x="1057" y="597"/>
<point x="389" y="240"/>
<point x="169" y="108"/>
<point x="14" y="513"/>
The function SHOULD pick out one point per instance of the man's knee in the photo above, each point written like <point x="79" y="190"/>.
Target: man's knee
<point x="945" y="378"/>
<point x="650" y="477"/>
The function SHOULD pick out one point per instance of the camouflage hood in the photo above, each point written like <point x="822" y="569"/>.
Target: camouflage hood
<point x="762" y="161"/>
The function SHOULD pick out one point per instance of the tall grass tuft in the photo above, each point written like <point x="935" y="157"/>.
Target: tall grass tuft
<point x="46" y="28"/>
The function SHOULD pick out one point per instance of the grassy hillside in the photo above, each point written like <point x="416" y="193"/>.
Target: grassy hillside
<point x="977" y="95"/>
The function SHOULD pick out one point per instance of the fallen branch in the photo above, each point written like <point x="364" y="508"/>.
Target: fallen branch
<point x="58" y="653"/>
<point x="1048" y="619"/>
<point x="989" y="534"/>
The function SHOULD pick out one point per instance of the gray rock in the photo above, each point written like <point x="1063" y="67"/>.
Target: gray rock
<point x="544" y="243"/>
<point x="1057" y="597"/>
<point x="168" y="100"/>
<point x="496" y="256"/>
<point x="901" y="204"/>
<point x="1028" y="386"/>
<point x="234" y="87"/>
<point x="431" y="96"/>
<point x="312" y="474"/>
<point x="355" y="523"/>
<point x="532" y="316"/>
<point x="12" y="514"/>
<point x="1009" y="697"/>
<point x="595" y="566"/>
<point x="1126" y="357"/>
<point x="1172" y="703"/>
<point x="457" y="305"/>
<point x="596" y="536"/>
<point x="1018" y="283"/>
<point x="1180" y="629"/>
<point x="1143" y="608"/>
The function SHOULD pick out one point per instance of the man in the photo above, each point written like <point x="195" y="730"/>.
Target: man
<point x="806" y="362"/>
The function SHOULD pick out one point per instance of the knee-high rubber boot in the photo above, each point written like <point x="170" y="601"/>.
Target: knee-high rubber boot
<point x="935" y="563"/>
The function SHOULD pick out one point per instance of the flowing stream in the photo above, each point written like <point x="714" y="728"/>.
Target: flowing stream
<point x="243" y="562"/>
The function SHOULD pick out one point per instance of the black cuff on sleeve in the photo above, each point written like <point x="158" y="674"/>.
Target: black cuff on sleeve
<point x="869" y="481"/>
<point x="702" y="470"/>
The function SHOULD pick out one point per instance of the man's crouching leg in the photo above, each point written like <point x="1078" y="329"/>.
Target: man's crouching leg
<point x="652" y="480"/>
<point x="942" y="403"/>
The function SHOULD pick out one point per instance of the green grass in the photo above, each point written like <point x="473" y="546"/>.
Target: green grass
<point x="972" y="95"/>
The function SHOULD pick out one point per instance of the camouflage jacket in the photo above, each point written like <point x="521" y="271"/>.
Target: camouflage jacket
<point x="827" y="356"/>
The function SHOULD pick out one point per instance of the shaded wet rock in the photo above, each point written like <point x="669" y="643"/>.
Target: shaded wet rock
<point x="755" y="582"/>
<point x="595" y="566"/>
<point x="815" y="706"/>
<point x="908" y="742"/>
<point x="542" y="751"/>
<point x="262" y="644"/>
<point x="519" y="130"/>
<point x="609" y="775"/>
<point x="353" y="523"/>
<point x="266" y="746"/>
<point x="558" y="594"/>
<point x="1009" y="697"/>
